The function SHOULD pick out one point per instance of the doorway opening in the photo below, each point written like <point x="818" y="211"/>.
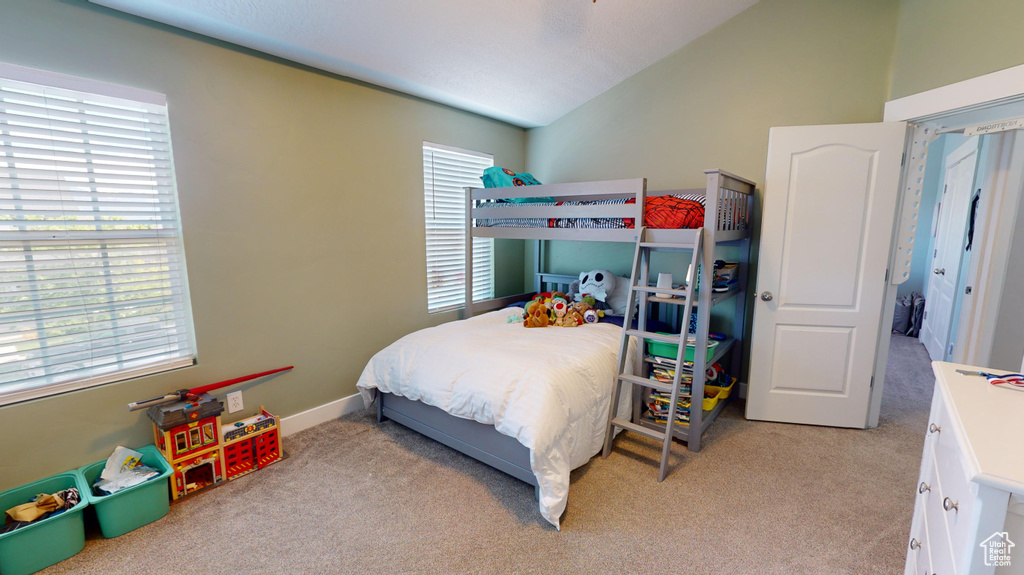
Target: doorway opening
<point x="967" y="257"/>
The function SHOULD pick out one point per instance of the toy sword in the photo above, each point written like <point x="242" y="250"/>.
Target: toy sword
<point x="186" y="394"/>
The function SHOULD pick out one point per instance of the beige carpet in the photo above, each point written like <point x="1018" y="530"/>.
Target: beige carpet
<point x="356" y="496"/>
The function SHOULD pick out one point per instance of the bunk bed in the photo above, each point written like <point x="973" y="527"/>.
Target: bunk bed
<point x="619" y="207"/>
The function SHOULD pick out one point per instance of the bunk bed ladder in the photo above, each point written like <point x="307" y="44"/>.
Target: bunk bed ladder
<point x="639" y="293"/>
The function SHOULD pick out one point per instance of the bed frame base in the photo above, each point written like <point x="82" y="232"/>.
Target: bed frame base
<point x="477" y="440"/>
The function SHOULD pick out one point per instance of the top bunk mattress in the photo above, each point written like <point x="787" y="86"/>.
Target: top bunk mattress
<point x="677" y="211"/>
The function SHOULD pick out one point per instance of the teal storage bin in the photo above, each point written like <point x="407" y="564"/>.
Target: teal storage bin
<point x="670" y="350"/>
<point x="46" y="541"/>
<point x="129" y="509"/>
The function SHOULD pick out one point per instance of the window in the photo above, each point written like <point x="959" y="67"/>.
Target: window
<point x="92" y="270"/>
<point x="181" y="442"/>
<point x="446" y="172"/>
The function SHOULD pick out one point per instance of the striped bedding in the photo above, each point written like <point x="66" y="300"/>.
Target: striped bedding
<point x="673" y="211"/>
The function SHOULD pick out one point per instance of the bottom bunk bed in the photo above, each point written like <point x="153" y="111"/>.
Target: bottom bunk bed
<point x="532" y="403"/>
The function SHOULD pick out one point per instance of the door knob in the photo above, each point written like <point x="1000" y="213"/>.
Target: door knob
<point x="766" y="296"/>
<point x="939" y="272"/>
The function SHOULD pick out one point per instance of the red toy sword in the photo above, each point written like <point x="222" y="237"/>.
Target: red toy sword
<point x="187" y="394"/>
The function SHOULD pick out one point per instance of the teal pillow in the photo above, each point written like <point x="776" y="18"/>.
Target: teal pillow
<point x="505" y="178"/>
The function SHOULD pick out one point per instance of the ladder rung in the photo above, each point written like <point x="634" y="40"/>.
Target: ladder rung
<point x="666" y="387"/>
<point x="652" y="433"/>
<point x="655" y="336"/>
<point x="652" y="289"/>
<point x="664" y="246"/>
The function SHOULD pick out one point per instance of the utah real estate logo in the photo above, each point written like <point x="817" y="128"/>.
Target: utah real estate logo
<point x="997" y="549"/>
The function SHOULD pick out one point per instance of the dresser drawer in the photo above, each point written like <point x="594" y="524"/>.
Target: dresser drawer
<point x="939" y="534"/>
<point x="919" y="548"/>
<point x="952" y="498"/>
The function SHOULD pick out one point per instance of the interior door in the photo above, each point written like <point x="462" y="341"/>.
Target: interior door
<point x="829" y="208"/>
<point x="950" y="235"/>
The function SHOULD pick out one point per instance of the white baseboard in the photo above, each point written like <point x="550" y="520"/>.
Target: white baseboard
<point x="743" y="390"/>
<point x="321" y="414"/>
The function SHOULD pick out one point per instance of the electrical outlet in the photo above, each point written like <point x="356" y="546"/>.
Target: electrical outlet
<point x="235" y="401"/>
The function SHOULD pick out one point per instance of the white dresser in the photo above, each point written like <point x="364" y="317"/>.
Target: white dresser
<point x="969" y="511"/>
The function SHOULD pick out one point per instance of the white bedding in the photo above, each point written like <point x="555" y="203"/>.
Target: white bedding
<point x="547" y="387"/>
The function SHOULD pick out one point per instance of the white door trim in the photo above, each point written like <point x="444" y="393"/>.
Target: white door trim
<point x="988" y="89"/>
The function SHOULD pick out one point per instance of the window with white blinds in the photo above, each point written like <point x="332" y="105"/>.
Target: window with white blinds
<point x="92" y="270"/>
<point x="446" y="172"/>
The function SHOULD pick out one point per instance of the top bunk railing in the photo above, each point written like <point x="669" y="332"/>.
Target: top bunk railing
<point x="728" y="207"/>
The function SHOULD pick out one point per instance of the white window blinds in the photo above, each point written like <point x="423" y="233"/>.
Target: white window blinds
<point x="446" y="172"/>
<point x="92" y="271"/>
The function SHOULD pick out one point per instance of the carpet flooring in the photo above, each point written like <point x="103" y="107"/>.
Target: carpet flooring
<point x="759" y="497"/>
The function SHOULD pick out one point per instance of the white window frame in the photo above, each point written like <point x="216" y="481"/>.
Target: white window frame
<point x="150" y="100"/>
<point x="447" y="294"/>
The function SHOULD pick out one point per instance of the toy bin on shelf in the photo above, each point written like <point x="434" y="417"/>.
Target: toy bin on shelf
<point x="723" y="392"/>
<point x="710" y="399"/>
<point x="45" y="541"/>
<point x="670" y="350"/>
<point x="138" y="505"/>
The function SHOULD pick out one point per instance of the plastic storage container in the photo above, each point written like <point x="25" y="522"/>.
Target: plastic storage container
<point x="46" y="541"/>
<point x="711" y="397"/>
<point x="129" y="509"/>
<point x="723" y="392"/>
<point x="662" y="349"/>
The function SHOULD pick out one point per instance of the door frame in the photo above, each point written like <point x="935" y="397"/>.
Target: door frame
<point x="981" y="92"/>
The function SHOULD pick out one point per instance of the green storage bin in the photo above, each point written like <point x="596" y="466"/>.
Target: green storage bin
<point x="669" y="350"/>
<point x="129" y="509"/>
<point x="46" y="541"/>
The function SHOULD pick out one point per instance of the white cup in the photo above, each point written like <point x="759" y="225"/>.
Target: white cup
<point x="664" y="282"/>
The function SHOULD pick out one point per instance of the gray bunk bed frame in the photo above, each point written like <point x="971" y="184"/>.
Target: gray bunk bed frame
<point x="729" y="204"/>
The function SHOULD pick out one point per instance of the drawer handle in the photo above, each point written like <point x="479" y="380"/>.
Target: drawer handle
<point x="948" y="505"/>
<point x="924" y="487"/>
<point x="934" y="428"/>
<point x="915" y="544"/>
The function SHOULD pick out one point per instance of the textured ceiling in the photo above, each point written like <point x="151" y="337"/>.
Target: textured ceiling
<point x="527" y="62"/>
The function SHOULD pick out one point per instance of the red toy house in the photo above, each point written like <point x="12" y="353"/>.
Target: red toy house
<point x="187" y="433"/>
<point x="251" y="444"/>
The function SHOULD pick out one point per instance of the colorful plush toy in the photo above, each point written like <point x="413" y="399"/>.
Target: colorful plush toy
<point x="609" y="291"/>
<point x="578" y="311"/>
<point x="560" y="308"/>
<point x="536" y="314"/>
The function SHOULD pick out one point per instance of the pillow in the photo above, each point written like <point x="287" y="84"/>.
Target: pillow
<point x="674" y="212"/>
<point x="505" y="178"/>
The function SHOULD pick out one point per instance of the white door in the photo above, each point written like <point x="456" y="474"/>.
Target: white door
<point x="950" y="234"/>
<point x="829" y="207"/>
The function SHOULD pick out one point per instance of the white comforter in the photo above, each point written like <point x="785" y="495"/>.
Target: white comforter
<point x="549" y="388"/>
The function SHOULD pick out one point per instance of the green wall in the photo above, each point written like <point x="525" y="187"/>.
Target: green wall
<point x="302" y="206"/>
<point x="711" y="103"/>
<point x="940" y="42"/>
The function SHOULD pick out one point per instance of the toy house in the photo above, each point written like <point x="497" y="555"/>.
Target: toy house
<point x="203" y="452"/>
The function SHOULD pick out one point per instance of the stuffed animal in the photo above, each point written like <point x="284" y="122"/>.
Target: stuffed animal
<point x="578" y="311"/>
<point x="536" y="314"/>
<point x="609" y="291"/>
<point x="560" y="307"/>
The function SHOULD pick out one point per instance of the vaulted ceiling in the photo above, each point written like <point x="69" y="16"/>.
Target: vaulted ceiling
<point x="526" y="62"/>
